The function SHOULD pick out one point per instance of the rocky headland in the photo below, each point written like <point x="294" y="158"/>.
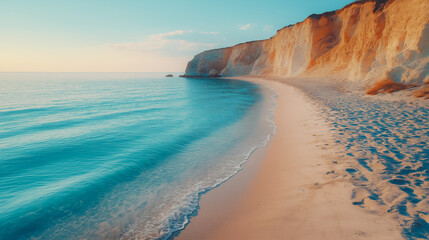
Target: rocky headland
<point x="366" y="42"/>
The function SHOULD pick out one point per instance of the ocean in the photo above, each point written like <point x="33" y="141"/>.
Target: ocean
<point x="119" y="155"/>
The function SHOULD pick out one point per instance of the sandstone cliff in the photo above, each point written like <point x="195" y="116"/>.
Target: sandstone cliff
<point x="364" y="41"/>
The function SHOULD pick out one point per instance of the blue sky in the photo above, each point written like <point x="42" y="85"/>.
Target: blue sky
<point x="135" y="35"/>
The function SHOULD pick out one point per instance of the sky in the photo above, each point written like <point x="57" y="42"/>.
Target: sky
<point x="136" y="35"/>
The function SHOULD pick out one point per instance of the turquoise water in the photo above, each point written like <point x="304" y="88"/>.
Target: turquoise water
<point x="102" y="156"/>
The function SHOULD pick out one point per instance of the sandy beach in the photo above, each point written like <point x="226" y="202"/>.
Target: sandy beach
<point x="225" y="120"/>
<point x="286" y="190"/>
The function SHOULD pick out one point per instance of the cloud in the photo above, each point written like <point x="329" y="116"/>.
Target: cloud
<point x="170" y="43"/>
<point x="210" y="33"/>
<point x="245" y="27"/>
<point x="168" y="34"/>
<point x="268" y="28"/>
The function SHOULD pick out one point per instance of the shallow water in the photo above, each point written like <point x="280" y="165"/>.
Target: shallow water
<point x="389" y="142"/>
<point x="118" y="155"/>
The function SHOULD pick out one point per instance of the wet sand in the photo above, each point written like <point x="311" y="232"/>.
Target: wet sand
<point x="286" y="190"/>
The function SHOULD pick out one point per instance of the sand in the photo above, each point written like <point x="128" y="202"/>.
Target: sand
<point x="286" y="190"/>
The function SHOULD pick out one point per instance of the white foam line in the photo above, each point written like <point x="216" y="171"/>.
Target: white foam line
<point x="195" y="201"/>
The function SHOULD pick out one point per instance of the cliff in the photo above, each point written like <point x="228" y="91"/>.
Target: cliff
<point x="364" y="41"/>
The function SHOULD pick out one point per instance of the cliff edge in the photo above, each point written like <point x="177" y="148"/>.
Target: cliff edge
<point x="365" y="41"/>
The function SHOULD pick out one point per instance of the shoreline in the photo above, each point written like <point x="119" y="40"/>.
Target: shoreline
<point x="284" y="190"/>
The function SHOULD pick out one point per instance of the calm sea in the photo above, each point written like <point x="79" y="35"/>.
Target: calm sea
<point x="108" y="155"/>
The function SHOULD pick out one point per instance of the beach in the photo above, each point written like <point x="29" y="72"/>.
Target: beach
<point x="226" y="120"/>
<point x="291" y="188"/>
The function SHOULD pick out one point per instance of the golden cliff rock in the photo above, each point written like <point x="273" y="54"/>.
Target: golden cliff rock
<point x="364" y="41"/>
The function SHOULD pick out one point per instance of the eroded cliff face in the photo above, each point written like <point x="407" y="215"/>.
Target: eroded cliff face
<point x="365" y="41"/>
<point x="209" y="63"/>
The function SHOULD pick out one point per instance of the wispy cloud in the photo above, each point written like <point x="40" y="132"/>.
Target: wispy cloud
<point x="210" y="33"/>
<point x="167" y="43"/>
<point x="245" y="27"/>
<point x="268" y="28"/>
<point x="173" y="33"/>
